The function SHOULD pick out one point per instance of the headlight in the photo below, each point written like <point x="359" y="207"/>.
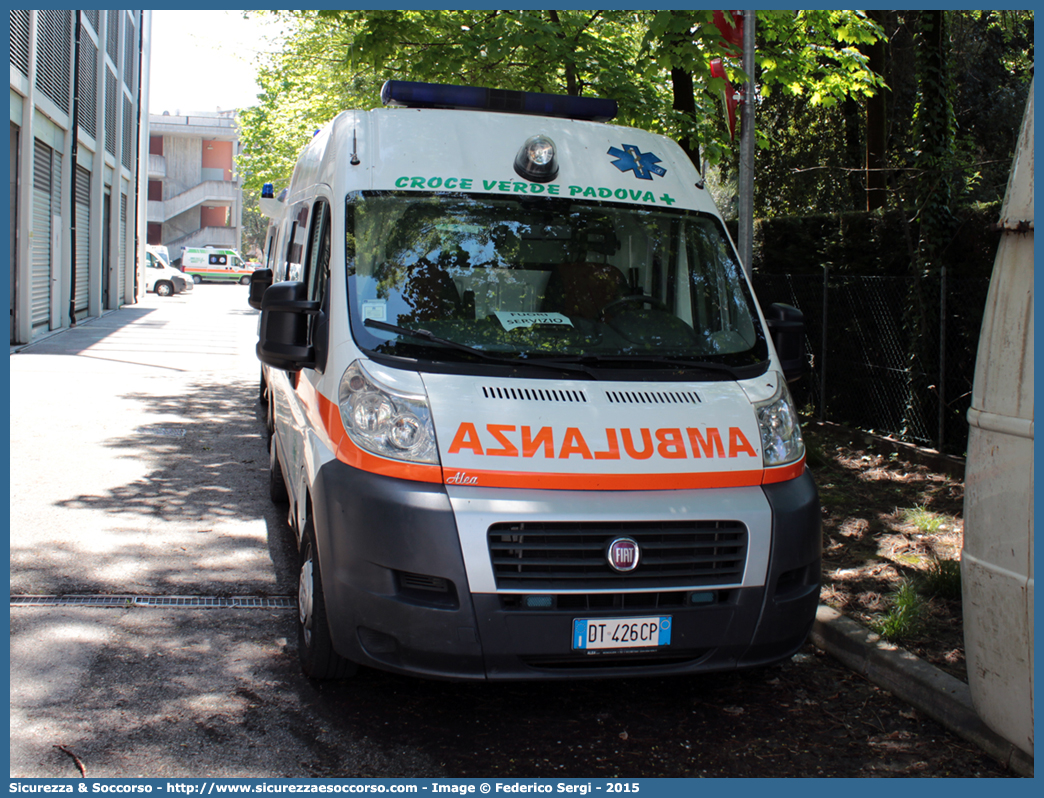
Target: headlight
<point x="384" y="421"/>
<point x="781" y="441"/>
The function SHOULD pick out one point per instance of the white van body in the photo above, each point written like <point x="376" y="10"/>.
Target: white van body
<point x="570" y="449"/>
<point x="160" y="277"/>
<point x="997" y="558"/>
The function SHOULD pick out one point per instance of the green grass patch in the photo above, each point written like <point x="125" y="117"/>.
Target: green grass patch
<point x="923" y="519"/>
<point x="941" y="578"/>
<point x="904" y="618"/>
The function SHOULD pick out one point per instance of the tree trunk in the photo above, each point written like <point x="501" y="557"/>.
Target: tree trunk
<point x="877" y="124"/>
<point x="685" y="101"/>
<point x="850" y="112"/>
<point x="572" y="89"/>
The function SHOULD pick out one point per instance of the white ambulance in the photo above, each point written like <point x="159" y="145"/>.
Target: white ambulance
<point x="215" y="265"/>
<point x="528" y="416"/>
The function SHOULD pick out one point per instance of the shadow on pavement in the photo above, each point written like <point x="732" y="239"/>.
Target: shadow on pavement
<point x="192" y="521"/>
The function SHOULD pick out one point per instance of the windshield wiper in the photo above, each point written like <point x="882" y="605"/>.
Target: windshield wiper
<point x="656" y="360"/>
<point x="430" y="337"/>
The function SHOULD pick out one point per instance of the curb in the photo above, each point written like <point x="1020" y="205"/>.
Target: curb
<point x="933" y="458"/>
<point x="935" y="693"/>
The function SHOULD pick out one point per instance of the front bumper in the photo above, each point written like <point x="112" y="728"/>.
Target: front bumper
<point x="398" y="595"/>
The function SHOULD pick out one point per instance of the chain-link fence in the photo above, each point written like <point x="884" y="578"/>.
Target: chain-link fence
<point x="887" y="355"/>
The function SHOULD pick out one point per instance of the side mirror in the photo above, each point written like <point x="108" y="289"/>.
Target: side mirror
<point x="787" y="327"/>
<point x="283" y="333"/>
<point x="259" y="282"/>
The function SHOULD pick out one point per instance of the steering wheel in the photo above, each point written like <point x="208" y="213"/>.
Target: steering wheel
<point x="641" y="299"/>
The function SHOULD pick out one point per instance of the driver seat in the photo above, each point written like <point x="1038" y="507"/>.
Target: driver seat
<point x="583" y="288"/>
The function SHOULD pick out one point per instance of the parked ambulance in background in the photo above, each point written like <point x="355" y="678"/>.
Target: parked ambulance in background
<point x="215" y="265"/>
<point x="527" y="413"/>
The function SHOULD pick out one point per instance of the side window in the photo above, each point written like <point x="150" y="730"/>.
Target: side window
<point x="318" y="268"/>
<point x="295" y="246"/>
<point x="218" y="260"/>
<point x="270" y="249"/>
<point x="282" y="268"/>
<point x="317" y="278"/>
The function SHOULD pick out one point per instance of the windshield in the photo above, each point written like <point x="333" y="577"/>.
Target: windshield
<point x="549" y="279"/>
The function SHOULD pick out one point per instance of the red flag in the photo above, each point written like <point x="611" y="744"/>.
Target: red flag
<point x="732" y="33"/>
<point x="729" y="99"/>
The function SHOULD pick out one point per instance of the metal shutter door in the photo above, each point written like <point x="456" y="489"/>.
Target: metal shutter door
<point x="40" y="278"/>
<point x="123" y="252"/>
<point x="83" y="238"/>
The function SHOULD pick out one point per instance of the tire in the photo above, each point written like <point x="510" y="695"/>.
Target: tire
<point x="197" y="279"/>
<point x="270" y="421"/>
<point x="314" y="643"/>
<point x="164" y="288"/>
<point x="277" y="491"/>
<point x="244" y="280"/>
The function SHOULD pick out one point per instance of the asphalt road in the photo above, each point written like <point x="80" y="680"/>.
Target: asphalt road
<point x="138" y="469"/>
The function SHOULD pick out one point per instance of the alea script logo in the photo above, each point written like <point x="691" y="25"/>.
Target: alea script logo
<point x="461" y="478"/>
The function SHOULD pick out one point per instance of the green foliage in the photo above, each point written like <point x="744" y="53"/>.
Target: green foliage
<point x="818" y="151"/>
<point x="815" y="54"/>
<point x="812" y="71"/>
<point x="255" y="225"/>
<point x="656" y="64"/>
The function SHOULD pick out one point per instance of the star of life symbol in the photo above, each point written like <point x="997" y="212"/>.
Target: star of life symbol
<point x="644" y="164"/>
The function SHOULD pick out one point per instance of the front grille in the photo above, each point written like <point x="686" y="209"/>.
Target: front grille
<point x="669" y="600"/>
<point x="572" y="556"/>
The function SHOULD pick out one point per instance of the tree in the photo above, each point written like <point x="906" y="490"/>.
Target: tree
<point x="656" y="64"/>
<point x="255" y="226"/>
<point x="825" y="156"/>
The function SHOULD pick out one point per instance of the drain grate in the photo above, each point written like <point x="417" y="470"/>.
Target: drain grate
<point x="163" y="432"/>
<point x="188" y="602"/>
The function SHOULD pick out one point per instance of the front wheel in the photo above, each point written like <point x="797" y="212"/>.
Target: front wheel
<point x="270" y="419"/>
<point x="277" y="491"/>
<point x="244" y="280"/>
<point x="163" y="288"/>
<point x="314" y="643"/>
<point x="197" y="279"/>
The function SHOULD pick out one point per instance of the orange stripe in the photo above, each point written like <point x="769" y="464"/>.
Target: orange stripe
<point x="784" y="473"/>
<point x="327" y="417"/>
<point x="558" y="481"/>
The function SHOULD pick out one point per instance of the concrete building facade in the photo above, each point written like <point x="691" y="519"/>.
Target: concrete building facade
<point x="79" y="80"/>
<point x="194" y="195"/>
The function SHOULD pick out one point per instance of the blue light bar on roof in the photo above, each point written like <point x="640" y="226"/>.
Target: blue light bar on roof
<point x="410" y="94"/>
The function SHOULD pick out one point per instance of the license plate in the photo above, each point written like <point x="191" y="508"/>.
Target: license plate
<point x="591" y="634"/>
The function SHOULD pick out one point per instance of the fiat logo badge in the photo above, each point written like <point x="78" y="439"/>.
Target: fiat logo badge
<point x="623" y="555"/>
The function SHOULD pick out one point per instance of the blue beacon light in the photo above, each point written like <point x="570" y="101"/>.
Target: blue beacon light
<point x="412" y="94"/>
